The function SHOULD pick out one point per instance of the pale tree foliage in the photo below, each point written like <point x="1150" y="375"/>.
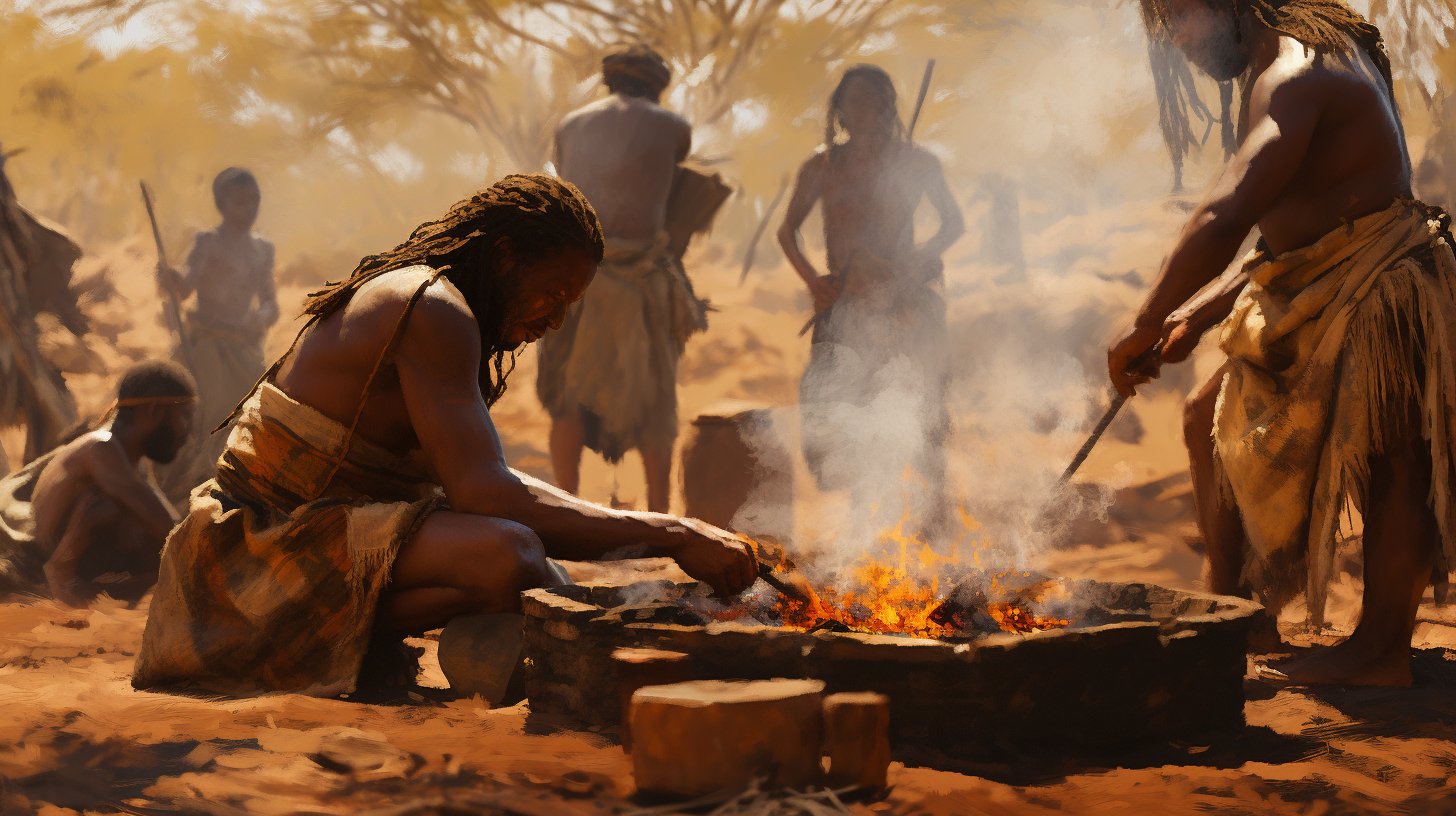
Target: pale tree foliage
<point x="361" y="117"/>
<point x="1417" y="36"/>
<point x="511" y="69"/>
<point x="1416" y="33"/>
<point x="751" y="75"/>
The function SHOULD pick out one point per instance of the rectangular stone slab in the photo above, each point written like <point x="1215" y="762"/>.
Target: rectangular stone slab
<point x="695" y="738"/>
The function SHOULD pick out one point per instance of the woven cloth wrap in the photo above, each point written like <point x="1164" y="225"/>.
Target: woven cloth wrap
<point x="271" y="581"/>
<point x="638" y="62"/>
<point x="1333" y="350"/>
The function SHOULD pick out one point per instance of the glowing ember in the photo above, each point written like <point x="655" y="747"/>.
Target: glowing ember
<point x="885" y="602"/>
<point x="903" y="595"/>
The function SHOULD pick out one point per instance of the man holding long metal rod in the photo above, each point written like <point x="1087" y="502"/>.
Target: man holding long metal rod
<point x="882" y="319"/>
<point x="1340" y="385"/>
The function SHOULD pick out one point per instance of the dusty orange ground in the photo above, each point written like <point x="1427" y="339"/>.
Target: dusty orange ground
<point x="74" y="736"/>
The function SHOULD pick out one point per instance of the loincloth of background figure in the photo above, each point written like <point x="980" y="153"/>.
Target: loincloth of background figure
<point x="882" y="342"/>
<point x="614" y="360"/>
<point x="225" y="361"/>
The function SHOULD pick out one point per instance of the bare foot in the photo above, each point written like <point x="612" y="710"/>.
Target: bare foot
<point x="1351" y="664"/>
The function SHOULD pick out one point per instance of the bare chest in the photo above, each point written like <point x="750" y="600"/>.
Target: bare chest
<point x="870" y="204"/>
<point x="231" y="271"/>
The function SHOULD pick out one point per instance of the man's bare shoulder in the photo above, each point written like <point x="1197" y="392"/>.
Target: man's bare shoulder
<point x="441" y="310"/>
<point x="615" y="105"/>
<point x="204" y="239"/>
<point x="85" y="450"/>
<point x="584" y="113"/>
<point x="816" y="164"/>
<point x="921" y="160"/>
<point x="672" y="117"/>
<point x="1299" y="75"/>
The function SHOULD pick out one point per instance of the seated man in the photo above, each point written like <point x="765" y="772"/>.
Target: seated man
<point x="84" y="519"/>
<point x="364" y="493"/>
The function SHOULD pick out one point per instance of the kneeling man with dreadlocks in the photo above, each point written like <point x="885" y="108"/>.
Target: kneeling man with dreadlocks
<point x="364" y="492"/>
<point x="1339" y="388"/>
<point x="85" y="518"/>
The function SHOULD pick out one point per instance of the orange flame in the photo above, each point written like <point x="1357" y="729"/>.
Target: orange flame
<point x="901" y="593"/>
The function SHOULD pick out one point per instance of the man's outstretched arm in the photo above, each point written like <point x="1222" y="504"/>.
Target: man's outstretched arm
<point x="1284" y="112"/>
<point x="438" y="360"/>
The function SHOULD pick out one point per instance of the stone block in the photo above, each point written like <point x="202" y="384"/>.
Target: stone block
<point x="636" y="668"/>
<point x="560" y="630"/>
<point x="857" y="739"/>
<point x="480" y="653"/>
<point x="695" y="738"/>
<point x="547" y="604"/>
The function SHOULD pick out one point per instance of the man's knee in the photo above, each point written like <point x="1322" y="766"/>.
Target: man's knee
<point x="525" y="566"/>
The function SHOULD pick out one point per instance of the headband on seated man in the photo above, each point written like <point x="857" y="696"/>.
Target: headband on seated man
<point x="130" y="402"/>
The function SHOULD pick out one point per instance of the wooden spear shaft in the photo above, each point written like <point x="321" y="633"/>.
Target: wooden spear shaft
<point x="170" y="307"/>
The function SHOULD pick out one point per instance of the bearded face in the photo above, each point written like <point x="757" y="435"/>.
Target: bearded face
<point x="166" y="440"/>
<point x="1207" y="33"/>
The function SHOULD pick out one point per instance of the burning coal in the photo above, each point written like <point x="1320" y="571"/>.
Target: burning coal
<point x="909" y="588"/>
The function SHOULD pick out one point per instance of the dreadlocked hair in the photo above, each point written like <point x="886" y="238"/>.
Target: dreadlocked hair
<point x="1322" y="25"/>
<point x="540" y="214"/>
<point x="880" y="87"/>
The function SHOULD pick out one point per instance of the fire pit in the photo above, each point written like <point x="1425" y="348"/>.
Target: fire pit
<point x="1139" y="665"/>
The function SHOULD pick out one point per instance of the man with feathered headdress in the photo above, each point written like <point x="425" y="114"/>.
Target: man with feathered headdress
<point x="609" y="377"/>
<point x="1340" y="385"/>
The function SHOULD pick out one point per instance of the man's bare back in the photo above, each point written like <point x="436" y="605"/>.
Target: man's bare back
<point x="622" y="153"/>
<point x="334" y="359"/>
<point x="66" y="477"/>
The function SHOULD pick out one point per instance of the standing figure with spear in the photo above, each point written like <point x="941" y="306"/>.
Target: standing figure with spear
<point x="221" y="338"/>
<point x="879" y="328"/>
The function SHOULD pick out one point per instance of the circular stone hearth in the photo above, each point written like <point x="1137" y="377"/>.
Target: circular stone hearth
<point x="1142" y="665"/>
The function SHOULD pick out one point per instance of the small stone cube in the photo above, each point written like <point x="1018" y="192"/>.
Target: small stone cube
<point x="857" y="739"/>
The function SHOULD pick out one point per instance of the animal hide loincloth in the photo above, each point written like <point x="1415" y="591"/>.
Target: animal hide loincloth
<point x="615" y="358"/>
<point x="1331" y="348"/>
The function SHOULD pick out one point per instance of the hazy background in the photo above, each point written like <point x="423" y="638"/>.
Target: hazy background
<point x="363" y="119"/>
